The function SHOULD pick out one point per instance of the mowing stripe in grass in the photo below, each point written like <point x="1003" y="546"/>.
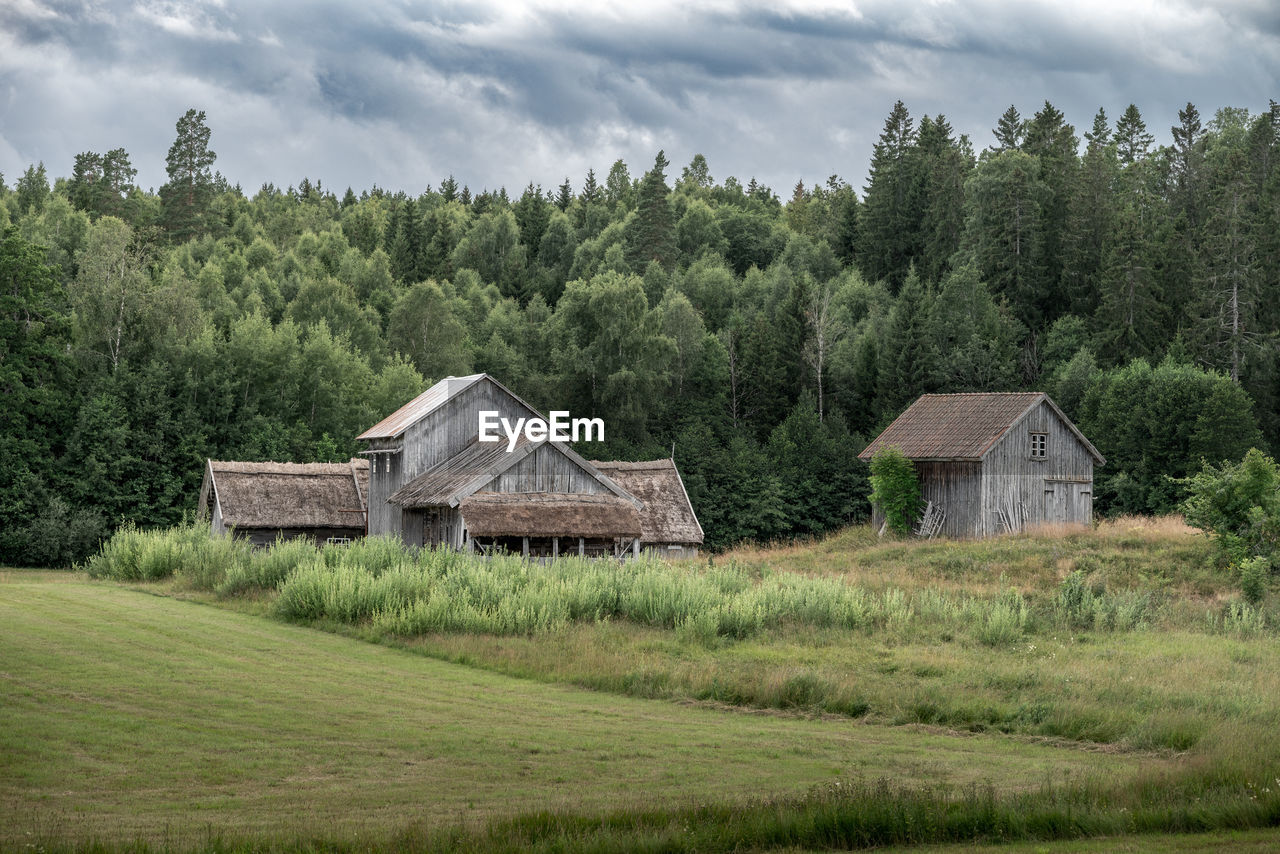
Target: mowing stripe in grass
<point x="124" y="715"/>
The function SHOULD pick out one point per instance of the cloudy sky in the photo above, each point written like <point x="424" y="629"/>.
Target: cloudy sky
<point x="404" y="93"/>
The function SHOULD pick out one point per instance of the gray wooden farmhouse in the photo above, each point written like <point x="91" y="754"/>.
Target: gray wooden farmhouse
<point x="992" y="463"/>
<point x="262" y="502"/>
<point x="433" y="482"/>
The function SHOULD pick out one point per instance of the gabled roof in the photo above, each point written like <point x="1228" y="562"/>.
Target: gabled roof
<point x="430" y="400"/>
<point x="449" y="482"/>
<point x="476" y="465"/>
<point x="287" y="495"/>
<point x="667" y="515"/>
<point x="962" y="426"/>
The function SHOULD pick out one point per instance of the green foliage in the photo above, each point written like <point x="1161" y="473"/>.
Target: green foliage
<point x="188" y="196"/>
<point x="164" y="329"/>
<point x="1239" y="503"/>
<point x="1255" y="572"/>
<point x="1156" y="425"/>
<point x="895" y="489"/>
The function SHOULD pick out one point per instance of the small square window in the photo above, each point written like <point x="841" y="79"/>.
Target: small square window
<point x="1039" y="446"/>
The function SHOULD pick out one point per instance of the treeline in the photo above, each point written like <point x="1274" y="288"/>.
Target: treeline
<point x="763" y="342"/>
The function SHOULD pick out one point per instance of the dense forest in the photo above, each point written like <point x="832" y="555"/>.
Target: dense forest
<point x="761" y="341"/>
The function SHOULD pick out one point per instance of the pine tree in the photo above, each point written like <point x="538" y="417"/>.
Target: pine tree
<point x="533" y="212"/>
<point x="187" y="197"/>
<point x="1090" y="222"/>
<point x="1130" y="318"/>
<point x="449" y="189"/>
<point x="1004" y="199"/>
<point x="907" y="356"/>
<point x="564" y="195"/>
<point x="1101" y="132"/>
<point x="943" y="166"/>
<point x="1053" y="142"/>
<point x="591" y="192"/>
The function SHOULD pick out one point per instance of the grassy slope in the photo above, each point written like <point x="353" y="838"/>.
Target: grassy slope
<point x="124" y="715"/>
<point x="1170" y="686"/>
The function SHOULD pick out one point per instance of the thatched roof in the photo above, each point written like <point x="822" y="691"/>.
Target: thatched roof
<point x="470" y="469"/>
<point x="945" y="427"/>
<point x="667" y="515"/>
<point x="287" y="495"/>
<point x="549" y="514"/>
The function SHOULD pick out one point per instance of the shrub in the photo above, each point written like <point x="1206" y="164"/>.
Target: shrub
<point x="1253" y="579"/>
<point x="1239" y="504"/>
<point x="895" y="489"/>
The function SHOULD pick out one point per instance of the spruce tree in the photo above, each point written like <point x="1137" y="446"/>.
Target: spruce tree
<point x="1009" y="130"/>
<point x="1053" y="142"/>
<point x="888" y="227"/>
<point x="1132" y="139"/>
<point x="651" y="235"/>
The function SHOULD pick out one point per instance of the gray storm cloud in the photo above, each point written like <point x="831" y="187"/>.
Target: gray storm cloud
<point x="403" y="94"/>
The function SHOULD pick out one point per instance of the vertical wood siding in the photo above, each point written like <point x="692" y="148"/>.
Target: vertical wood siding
<point x="956" y="488"/>
<point x="1056" y="489"/>
<point x="433" y="439"/>
<point x="546" y="470"/>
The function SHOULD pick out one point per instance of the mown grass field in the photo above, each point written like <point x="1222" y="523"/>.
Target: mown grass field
<point x="845" y="693"/>
<point x="131" y="716"/>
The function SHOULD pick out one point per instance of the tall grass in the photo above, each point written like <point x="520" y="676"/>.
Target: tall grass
<point x="380" y="583"/>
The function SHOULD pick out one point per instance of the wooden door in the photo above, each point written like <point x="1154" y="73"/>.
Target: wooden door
<point x="1055" y="502"/>
<point x="1082" y="503"/>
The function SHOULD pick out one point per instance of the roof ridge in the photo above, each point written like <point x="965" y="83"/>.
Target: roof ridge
<point x="979" y="393"/>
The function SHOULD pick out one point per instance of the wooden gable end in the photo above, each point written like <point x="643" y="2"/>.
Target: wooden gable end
<point x="1065" y="455"/>
<point x="445" y="432"/>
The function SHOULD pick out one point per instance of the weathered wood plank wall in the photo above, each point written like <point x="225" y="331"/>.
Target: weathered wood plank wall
<point x="957" y="488"/>
<point x="1055" y="489"/>
<point x="430" y="441"/>
<point x="547" y="470"/>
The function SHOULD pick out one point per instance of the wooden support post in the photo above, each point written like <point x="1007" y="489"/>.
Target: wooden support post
<point x="471" y="545"/>
<point x="555" y="547"/>
<point x="635" y="547"/>
<point x="526" y="548"/>
<point x="582" y="546"/>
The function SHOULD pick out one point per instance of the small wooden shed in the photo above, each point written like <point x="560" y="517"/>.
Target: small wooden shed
<point x="260" y="502"/>
<point x="994" y="462"/>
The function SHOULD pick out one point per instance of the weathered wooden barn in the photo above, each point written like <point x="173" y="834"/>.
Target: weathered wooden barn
<point x="324" y="502"/>
<point x="433" y="482"/>
<point x="991" y="463"/>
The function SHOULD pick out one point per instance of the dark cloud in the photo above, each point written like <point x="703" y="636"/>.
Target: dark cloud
<point x="404" y="94"/>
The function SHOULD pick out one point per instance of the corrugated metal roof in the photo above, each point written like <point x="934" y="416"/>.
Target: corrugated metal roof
<point x="956" y="426"/>
<point x="400" y="420"/>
